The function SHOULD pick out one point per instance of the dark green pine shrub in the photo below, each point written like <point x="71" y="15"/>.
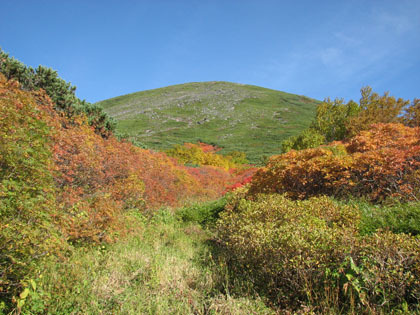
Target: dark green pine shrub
<point x="396" y="217"/>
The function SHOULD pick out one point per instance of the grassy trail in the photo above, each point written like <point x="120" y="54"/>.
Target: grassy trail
<point x="165" y="267"/>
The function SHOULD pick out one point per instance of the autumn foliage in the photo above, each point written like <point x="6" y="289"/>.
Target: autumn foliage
<point x="377" y="163"/>
<point x="201" y="154"/>
<point x="285" y="236"/>
<point x="337" y="121"/>
<point x="65" y="180"/>
<point x="63" y="183"/>
<point x="27" y="193"/>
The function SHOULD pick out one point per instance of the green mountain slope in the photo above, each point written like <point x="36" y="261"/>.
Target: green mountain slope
<point x="233" y="116"/>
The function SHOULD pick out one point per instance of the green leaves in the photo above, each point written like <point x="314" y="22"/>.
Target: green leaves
<point x="309" y="138"/>
<point x="24" y="294"/>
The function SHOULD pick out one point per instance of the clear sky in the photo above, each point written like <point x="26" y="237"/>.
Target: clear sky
<point x="314" y="48"/>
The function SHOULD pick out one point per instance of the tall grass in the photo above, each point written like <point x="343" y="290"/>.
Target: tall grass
<point x="165" y="267"/>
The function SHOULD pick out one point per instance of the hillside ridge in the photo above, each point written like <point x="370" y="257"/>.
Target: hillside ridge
<point x="234" y="116"/>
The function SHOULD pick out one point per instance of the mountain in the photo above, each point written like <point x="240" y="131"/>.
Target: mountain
<point x="233" y="116"/>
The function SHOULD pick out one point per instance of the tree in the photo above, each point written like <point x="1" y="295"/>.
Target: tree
<point x="309" y="138"/>
<point x="331" y="118"/>
<point x="336" y="120"/>
<point x="375" y="109"/>
<point x="412" y="114"/>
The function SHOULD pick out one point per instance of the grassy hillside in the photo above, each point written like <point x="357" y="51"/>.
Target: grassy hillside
<point x="233" y="116"/>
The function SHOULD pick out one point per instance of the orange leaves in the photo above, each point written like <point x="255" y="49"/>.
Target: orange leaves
<point x="60" y="181"/>
<point x="97" y="178"/>
<point x="26" y="187"/>
<point x="376" y="163"/>
<point x="384" y="136"/>
<point x="89" y="166"/>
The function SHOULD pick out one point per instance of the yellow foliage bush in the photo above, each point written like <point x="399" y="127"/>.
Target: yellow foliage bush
<point x="202" y="154"/>
<point x="309" y="252"/>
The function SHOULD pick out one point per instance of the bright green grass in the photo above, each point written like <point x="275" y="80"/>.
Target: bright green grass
<point x="396" y="217"/>
<point x="166" y="267"/>
<point x="234" y="116"/>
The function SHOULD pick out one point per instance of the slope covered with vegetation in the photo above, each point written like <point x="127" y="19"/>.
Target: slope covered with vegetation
<point x="235" y="117"/>
<point x="90" y="224"/>
<point x="334" y="228"/>
<point x="64" y="185"/>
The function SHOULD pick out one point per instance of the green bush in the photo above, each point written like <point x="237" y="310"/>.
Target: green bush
<point x="202" y="213"/>
<point x="309" y="138"/>
<point x="311" y="253"/>
<point x="281" y="245"/>
<point x="389" y="272"/>
<point x="397" y="218"/>
<point x="238" y="157"/>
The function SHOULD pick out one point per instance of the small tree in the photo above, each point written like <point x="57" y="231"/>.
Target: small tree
<point x="375" y="109"/>
<point x="412" y="114"/>
<point x="335" y="120"/>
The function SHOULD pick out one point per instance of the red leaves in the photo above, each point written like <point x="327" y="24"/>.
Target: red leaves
<point x="91" y="168"/>
<point x="246" y="179"/>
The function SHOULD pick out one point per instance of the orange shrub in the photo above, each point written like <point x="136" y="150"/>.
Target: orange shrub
<point x="60" y="181"/>
<point x="27" y="203"/>
<point x="92" y="171"/>
<point x="91" y="168"/>
<point x="378" y="163"/>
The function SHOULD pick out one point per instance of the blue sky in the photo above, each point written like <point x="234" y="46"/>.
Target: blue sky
<point x="314" y="48"/>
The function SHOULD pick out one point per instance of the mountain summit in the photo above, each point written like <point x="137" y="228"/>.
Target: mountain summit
<point x="233" y="116"/>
